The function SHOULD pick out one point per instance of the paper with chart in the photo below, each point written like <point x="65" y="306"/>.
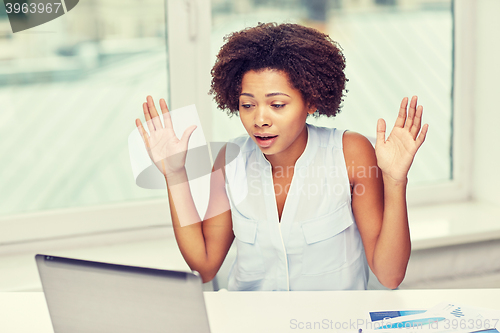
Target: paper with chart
<point x="444" y="317"/>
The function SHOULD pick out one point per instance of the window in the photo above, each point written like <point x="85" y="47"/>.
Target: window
<point x="70" y="90"/>
<point x="393" y="49"/>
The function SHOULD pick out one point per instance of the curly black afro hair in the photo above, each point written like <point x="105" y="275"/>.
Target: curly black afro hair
<point x="313" y="62"/>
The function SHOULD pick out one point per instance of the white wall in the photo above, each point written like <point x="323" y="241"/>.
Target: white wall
<point x="486" y="152"/>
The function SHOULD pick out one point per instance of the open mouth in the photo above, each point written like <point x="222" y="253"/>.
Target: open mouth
<point x="265" y="141"/>
<point x="265" y="138"/>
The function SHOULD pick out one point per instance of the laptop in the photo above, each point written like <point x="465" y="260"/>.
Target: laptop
<point x="87" y="296"/>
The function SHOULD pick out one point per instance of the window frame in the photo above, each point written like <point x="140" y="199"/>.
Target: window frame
<point x="464" y="72"/>
<point x="189" y="67"/>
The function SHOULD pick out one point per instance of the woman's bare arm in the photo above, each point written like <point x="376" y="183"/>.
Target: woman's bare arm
<point x="379" y="198"/>
<point x="379" y="209"/>
<point x="203" y="243"/>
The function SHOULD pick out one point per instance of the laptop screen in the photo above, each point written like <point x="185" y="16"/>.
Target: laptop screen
<point x="87" y="296"/>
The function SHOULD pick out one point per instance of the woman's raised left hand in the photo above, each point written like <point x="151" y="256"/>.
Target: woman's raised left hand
<point x="395" y="155"/>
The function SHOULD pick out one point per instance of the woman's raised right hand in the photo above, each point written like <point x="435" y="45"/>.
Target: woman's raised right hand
<point x="166" y="151"/>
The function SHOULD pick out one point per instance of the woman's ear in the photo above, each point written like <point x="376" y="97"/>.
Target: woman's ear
<point x="311" y="109"/>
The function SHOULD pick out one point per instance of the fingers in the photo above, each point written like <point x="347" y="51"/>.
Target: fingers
<point x="422" y="135"/>
<point x="187" y="134"/>
<point x="380" y="131"/>
<point x="413" y="120"/>
<point x="142" y="131"/>
<point x="167" y="121"/>
<point x="153" y="113"/>
<point x="417" y="121"/>
<point x="400" y="121"/>
<point x="147" y="116"/>
<point x="411" y="113"/>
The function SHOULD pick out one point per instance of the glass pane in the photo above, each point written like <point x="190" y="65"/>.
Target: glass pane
<point x="70" y="90"/>
<point x="393" y="49"/>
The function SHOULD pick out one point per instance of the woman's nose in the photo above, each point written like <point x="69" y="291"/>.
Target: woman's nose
<point x="262" y="117"/>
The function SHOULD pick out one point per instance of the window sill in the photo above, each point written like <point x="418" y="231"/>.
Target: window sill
<point x="434" y="226"/>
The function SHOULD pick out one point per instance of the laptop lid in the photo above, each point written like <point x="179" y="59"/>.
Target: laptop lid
<point x="87" y="296"/>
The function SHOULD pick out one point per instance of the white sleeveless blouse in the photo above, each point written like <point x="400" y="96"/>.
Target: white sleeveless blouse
<point x="317" y="245"/>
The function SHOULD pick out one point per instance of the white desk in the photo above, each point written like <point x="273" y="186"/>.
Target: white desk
<point x="253" y="312"/>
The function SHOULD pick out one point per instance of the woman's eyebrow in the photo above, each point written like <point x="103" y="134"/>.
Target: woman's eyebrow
<point x="275" y="94"/>
<point x="267" y="95"/>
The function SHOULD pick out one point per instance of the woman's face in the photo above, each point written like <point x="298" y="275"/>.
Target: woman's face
<point x="274" y="114"/>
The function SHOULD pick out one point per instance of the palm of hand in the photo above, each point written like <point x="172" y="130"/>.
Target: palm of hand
<point x="395" y="155"/>
<point x="166" y="151"/>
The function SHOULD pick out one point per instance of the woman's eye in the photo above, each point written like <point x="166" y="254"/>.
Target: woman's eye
<point x="278" y="106"/>
<point x="246" y="106"/>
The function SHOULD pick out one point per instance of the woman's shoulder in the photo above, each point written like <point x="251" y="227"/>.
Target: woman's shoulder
<point x="358" y="150"/>
<point x="356" y="144"/>
<point x="327" y="136"/>
<point x="354" y="140"/>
